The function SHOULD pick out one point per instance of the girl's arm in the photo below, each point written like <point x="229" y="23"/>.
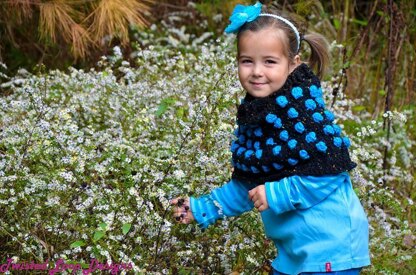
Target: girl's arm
<point x="301" y="192"/>
<point x="231" y="199"/>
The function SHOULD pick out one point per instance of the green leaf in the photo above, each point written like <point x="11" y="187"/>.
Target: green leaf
<point x="358" y="108"/>
<point x="126" y="228"/>
<point x="98" y="235"/>
<point x="77" y="244"/>
<point x="337" y="24"/>
<point x="103" y="226"/>
<point x="360" y="22"/>
<point x="164" y="105"/>
<point x="382" y="92"/>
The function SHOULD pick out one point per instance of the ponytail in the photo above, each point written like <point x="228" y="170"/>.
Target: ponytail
<point x="319" y="58"/>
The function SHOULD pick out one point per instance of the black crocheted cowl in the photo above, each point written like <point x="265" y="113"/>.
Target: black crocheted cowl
<point x="288" y="133"/>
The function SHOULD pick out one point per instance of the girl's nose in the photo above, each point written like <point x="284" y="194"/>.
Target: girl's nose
<point x="257" y="70"/>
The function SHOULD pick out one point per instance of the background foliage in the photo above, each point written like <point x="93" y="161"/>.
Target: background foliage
<point x="90" y="155"/>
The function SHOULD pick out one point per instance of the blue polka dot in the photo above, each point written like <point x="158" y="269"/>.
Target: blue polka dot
<point x="321" y="146"/>
<point x="282" y="101"/>
<point x="337" y="129"/>
<point x="257" y="145"/>
<point x="258" y="132"/>
<point x="277" y="166"/>
<point x="278" y="123"/>
<point x="337" y="142"/>
<point x="236" y="132"/>
<point x="320" y="101"/>
<point x="249" y="132"/>
<point x="310" y="137"/>
<point x="249" y="144"/>
<point x="244" y="168"/>
<point x="265" y="168"/>
<point x="315" y="91"/>
<point x="270" y="118"/>
<point x="276" y="150"/>
<point x="248" y="153"/>
<point x="240" y="151"/>
<point x="238" y="165"/>
<point x="254" y="170"/>
<point x="292" y="161"/>
<point x="310" y="104"/>
<point x="317" y="117"/>
<point x="303" y="154"/>
<point x="242" y="139"/>
<point x="297" y="92"/>
<point x="292" y="113"/>
<point x="329" y="130"/>
<point x="234" y="146"/>
<point x="284" y="135"/>
<point x="346" y="141"/>
<point x="270" y="141"/>
<point x="292" y="143"/>
<point x="329" y="115"/>
<point x="259" y="153"/>
<point x="299" y="127"/>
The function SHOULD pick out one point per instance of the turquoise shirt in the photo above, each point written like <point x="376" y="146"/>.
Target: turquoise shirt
<point x="316" y="223"/>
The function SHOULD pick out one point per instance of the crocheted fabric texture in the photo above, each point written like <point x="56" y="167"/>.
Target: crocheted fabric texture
<point x="288" y="133"/>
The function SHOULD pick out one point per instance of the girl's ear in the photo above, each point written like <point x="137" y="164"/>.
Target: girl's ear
<point x="295" y="62"/>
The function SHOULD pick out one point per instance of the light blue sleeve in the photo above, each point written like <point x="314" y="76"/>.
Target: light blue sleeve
<point x="231" y="199"/>
<point x="301" y="192"/>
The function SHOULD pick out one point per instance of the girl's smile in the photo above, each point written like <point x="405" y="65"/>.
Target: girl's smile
<point x="262" y="63"/>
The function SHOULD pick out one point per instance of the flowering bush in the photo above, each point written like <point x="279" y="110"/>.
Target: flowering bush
<point x="90" y="159"/>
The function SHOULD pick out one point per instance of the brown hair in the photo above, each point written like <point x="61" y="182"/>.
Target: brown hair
<point x="319" y="57"/>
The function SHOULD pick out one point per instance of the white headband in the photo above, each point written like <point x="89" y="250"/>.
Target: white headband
<point x="290" y="24"/>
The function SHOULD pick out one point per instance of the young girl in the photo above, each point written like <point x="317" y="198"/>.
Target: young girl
<point x="290" y="159"/>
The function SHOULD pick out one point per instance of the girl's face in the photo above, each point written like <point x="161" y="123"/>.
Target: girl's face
<point x="263" y="66"/>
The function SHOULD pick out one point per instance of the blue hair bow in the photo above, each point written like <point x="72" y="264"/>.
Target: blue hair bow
<point x="242" y="14"/>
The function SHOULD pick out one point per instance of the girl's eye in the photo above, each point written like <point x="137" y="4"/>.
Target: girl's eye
<point x="269" y="61"/>
<point x="244" y="61"/>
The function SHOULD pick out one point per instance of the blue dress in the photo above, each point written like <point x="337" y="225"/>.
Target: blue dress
<point x="316" y="222"/>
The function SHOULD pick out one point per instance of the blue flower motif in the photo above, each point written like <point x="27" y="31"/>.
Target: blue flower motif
<point x="321" y="146"/>
<point x="270" y="118"/>
<point x="292" y="162"/>
<point x="292" y="143"/>
<point x="297" y="92"/>
<point x="234" y="146"/>
<point x="346" y="141"/>
<point x="284" y="135"/>
<point x="338" y="142"/>
<point x="303" y="154"/>
<point x="270" y="141"/>
<point x="258" y="132"/>
<point x="249" y="144"/>
<point x="320" y="101"/>
<point x="299" y="127"/>
<point x="265" y="168"/>
<point x="276" y="150"/>
<point x="248" y="153"/>
<point x="329" y="130"/>
<point x="310" y="104"/>
<point x="240" y="151"/>
<point x="277" y="166"/>
<point x="242" y="139"/>
<point x="278" y="123"/>
<point x="259" y="153"/>
<point x="315" y="91"/>
<point x="317" y="117"/>
<point x="292" y="113"/>
<point x="282" y="101"/>
<point x="242" y="14"/>
<point x="329" y="115"/>
<point x="254" y="170"/>
<point x="337" y="129"/>
<point x="257" y="145"/>
<point x="310" y="137"/>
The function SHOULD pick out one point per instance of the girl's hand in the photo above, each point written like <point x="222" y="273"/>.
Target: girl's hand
<point x="258" y="197"/>
<point x="182" y="211"/>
